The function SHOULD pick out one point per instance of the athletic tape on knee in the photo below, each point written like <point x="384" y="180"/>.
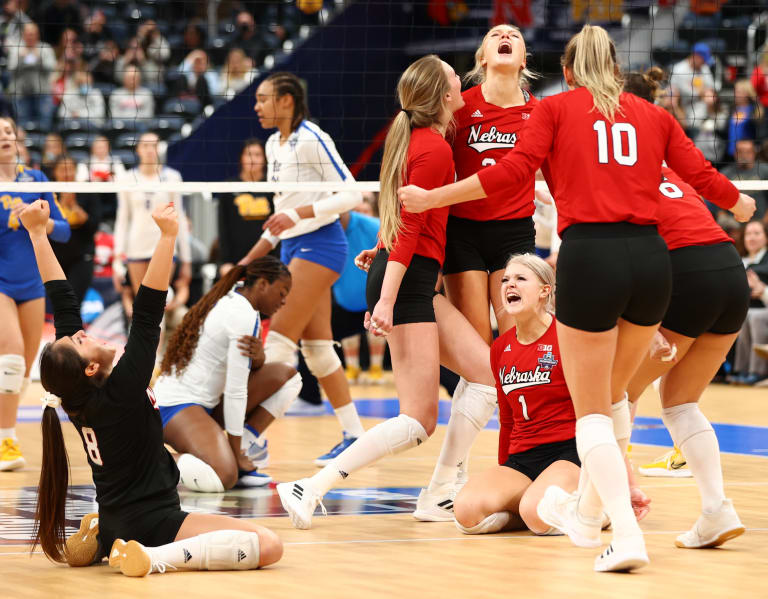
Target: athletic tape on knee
<point x="622" y="420"/>
<point x="277" y="403"/>
<point x="198" y="476"/>
<point x="401" y="433"/>
<point x="685" y="421"/>
<point x="278" y="348"/>
<point x="320" y="356"/>
<point x="592" y="431"/>
<point x="493" y="523"/>
<point x="477" y="403"/>
<point x="11" y="373"/>
<point x="24" y="386"/>
<point x="230" y="550"/>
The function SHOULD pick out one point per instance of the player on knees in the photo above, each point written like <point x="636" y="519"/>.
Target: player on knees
<point x="204" y="363"/>
<point x="614" y="276"/>
<point x="401" y="282"/>
<point x="537" y="445"/>
<point x="115" y="415"/>
<point x="710" y="299"/>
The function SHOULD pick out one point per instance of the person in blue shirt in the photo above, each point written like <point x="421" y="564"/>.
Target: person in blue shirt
<point x="22" y="295"/>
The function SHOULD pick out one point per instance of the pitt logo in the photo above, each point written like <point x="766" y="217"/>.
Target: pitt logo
<point x="514" y="379"/>
<point x="252" y="208"/>
<point x="547" y="361"/>
<point x="490" y="140"/>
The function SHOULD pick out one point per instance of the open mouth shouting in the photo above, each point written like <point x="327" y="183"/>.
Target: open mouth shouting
<point x="505" y="47"/>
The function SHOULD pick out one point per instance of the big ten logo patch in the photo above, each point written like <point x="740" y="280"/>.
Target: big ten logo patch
<point x="252" y="208"/>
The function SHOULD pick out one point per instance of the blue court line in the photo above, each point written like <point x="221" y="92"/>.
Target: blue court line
<point x="733" y="438"/>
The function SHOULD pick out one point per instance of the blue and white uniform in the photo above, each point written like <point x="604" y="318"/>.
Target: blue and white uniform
<point x="217" y="366"/>
<point x="309" y="154"/>
<point x="19" y="277"/>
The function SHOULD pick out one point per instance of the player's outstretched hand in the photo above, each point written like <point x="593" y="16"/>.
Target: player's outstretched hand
<point x="744" y="208"/>
<point x="167" y="219"/>
<point x="365" y="258"/>
<point x="35" y="215"/>
<point x="414" y="199"/>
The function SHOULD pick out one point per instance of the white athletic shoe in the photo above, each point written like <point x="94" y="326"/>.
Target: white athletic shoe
<point x="714" y="529"/>
<point x="435" y="506"/>
<point x="299" y="499"/>
<point x="623" y="555"/>
<point x="560" y="510"/>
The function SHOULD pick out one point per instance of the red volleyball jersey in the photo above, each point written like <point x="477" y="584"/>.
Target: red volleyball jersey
<point x="429" y="165"/>
<point x="484" y="134"/>
<point x="684" y="219"/>
<point x="604" y="172"/>
<point x="534" y="404"/>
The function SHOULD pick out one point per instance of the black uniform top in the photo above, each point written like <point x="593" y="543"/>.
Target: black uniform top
<point x="241" y="220"/>
<point x="81" y="244"/>
<point x="120" y="426"/>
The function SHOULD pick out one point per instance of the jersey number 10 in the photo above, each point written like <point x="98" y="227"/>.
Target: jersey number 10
<point x="625" y="155"/>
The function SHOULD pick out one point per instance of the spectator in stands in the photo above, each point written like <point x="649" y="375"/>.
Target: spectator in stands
<point x="132" y="101"/>
<point x="65" y="68"/>
<point x="241" y="216"/>
<point x="101" y="165"/>
<point x="692" y="78"/>
<point x="69" y="47"/>
<point x="84" y="215"/>
<point x="759" y="77"/>
<point x="746" y="168"/>
<point x="202" y="83"/>
<point x="709" y="135"/>
<point x="81" y="100"/>
<point x="21" y="147"/>
<point x="57" y="16"/>
<point x="12" y="21"/>
<point x="96" y="31"/>
<point x="194" y="39"/>
<point x="156" y="49"/>
<point x="247" y="38"/>
<point x="236" y="74"/>
<point x="133" y="56"/>
<point x="745" y="115"/>
<point x="748" y="367"/>
<point x="53" y="149"/>
<point x="31" y="64"/>
<point x="102" y="66"/>
<point x="669" y="100"/>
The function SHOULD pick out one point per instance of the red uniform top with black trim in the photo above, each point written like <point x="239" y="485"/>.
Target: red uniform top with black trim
<point x="534" y="404"/>
<point x="429" y="165"/>
<point x="603" y="172"/>
<point x="684" y="219"/>
<point x="484" y="134"/>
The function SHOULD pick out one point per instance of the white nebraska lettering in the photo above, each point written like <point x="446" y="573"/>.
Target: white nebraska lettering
<point x="490" y="140"/>
<point x="514" y="379"/>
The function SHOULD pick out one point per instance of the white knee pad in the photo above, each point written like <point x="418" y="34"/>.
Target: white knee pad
<point x="685" y="421"/>
<point x="401" y="433"/>
<point x="11" y="373"/>
<point x="476" y="402"/>
<point x="622" y="420"/>
<point x="198" y="476"/>
<point x="230" y="550"/>
<point x="493" y="523"/>
<point x="278" y="348"/>
<point x="592" y="431"/>
<point x="277" y="403"/>
<point x="320" y="356"/>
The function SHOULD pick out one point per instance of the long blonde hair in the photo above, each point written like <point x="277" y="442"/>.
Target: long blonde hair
<point x="421" y="92"/>
<point x="543" y="271"/>
<point x="591" y="56"/>
<point x="478" y="73"/>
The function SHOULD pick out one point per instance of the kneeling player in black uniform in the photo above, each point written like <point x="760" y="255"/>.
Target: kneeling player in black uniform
<point x="114" y="411"/>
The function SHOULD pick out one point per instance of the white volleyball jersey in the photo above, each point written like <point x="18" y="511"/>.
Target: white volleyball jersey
<point x="136" y="234"/>
<point x="217" y="365"/>
<point x="308" y="154"/>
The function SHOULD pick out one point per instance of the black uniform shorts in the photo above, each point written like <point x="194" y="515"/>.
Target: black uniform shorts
<point x="151" y="523"/>
<point x="532" y="462"/>
<point x="414" y="299"/>
<point x="607" y="271"/>
<point x="710" y="293"/>
<point x="485" y="245"/>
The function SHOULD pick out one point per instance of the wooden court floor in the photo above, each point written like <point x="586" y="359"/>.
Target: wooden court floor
<point x="388" y="554"/>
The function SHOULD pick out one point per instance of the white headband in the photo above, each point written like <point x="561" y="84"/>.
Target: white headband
<point x="49" y="400"/>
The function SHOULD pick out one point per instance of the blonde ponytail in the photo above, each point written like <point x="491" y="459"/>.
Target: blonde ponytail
<point x="591" y="57"/>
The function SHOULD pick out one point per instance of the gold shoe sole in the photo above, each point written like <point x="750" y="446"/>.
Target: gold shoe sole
<point x="130" y="557"/>
<point x="81" y="547"/>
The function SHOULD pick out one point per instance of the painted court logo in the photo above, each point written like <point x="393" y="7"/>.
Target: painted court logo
<point x="490" y="140"/>
<point x="520" y="379"/>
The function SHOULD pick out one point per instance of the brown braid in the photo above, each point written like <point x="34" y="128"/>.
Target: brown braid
<point x="183" y="342"/>
<point x="289" y="84"/>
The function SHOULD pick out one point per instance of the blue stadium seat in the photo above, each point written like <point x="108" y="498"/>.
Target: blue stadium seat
<point x="127" y="157"/>
<point x="166" y="124"/>
<point x="79" y="140"/>
<point x="188" y="107"/>
<point x="34" y="140"/>
<point x="78" y="155"/>
<point x="126" y="141"/>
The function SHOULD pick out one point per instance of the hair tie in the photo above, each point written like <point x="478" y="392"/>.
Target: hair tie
<point x="407" y="112"/>
<point x="49" y="400"/>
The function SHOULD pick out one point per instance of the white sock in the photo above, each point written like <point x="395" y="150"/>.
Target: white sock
<point x="493" y="523"/>
<point x="349" y="420"/>
<point x="217" y="550"/>
<point x="601" y="456"/>
<point x="693" y="434"/>
<point x="622" y="423"/>
<point x="8" y="433"/>
<point x="386" y="438"/>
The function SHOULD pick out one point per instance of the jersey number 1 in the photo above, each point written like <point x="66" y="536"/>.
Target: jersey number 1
<point x="91" y="445"/>
<point x="625" y="156"/>
<point x="521" y="399"/>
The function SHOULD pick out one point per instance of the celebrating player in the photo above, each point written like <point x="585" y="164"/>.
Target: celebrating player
<point x="22" y="297"/>
<point x="204" y="361"/>
<point x="313" y="243"/>
<point x="614" y="278"/>
<point x="115" y="415"/>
